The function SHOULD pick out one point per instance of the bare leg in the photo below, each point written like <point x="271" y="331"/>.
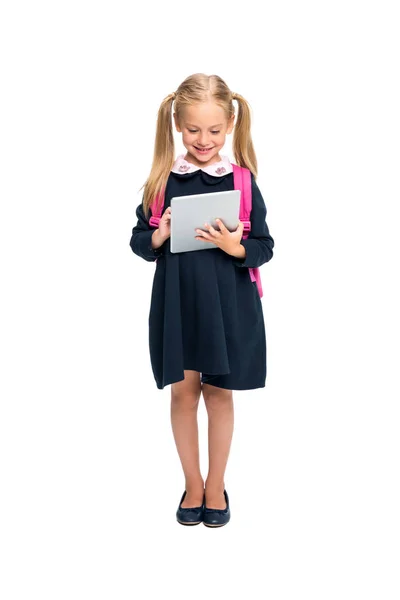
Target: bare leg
<point x="219" y="404"/>
<point x="185" y="397"/>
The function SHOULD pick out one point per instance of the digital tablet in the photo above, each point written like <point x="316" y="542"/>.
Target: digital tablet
<point x="189" y="213"/>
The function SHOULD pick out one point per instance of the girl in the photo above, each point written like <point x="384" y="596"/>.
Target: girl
<point x="206" y="326"/>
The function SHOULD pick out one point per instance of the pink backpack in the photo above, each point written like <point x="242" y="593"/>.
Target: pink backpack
<point x="242" y="181"/>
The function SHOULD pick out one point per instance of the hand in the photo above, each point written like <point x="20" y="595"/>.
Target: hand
<point x="228" y="241"/>
<point x="164" y="225"/>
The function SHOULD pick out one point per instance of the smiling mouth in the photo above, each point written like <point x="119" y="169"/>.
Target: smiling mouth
<point x="204" y="150"/>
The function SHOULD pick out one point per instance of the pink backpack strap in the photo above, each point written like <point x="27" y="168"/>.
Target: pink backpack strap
<point x="242" y="181"/>
<point x="156" y="212"/>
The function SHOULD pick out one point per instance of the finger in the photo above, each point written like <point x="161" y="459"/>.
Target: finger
<point x="211" y="230"/>
<point x="221" y="225"/>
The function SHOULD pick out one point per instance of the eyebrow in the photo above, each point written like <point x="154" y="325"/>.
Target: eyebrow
<point x="218" y="125"/>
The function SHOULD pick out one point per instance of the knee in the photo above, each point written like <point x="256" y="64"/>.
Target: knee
<point x="216" y="399"/>
<point x="185" y="401"/>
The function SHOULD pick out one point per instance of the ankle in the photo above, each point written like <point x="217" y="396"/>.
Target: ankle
<point x="215" y="487"/>
<point x="194" y="483"/>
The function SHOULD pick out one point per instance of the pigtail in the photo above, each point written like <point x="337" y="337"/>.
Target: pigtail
<point x="243" y="149"/>
<point x="163" y="157"/>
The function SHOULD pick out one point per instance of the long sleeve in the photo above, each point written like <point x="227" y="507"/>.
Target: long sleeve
<point x="259" y="244"/>
<point x="141" y="238"/>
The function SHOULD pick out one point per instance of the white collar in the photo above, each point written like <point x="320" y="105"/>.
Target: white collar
<point x="181" y="165"/>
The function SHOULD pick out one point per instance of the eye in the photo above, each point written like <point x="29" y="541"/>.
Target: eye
<point x="194" y="131"/>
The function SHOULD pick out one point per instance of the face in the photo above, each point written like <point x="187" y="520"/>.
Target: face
<point x="204" y="128"/>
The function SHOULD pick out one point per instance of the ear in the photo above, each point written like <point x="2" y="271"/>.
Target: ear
<point x="231" y="123"/>
<point x="176" y="123"/>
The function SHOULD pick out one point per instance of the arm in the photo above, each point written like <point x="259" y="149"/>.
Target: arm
<point x="145" y="239"/>
<point x="259" y="245"/>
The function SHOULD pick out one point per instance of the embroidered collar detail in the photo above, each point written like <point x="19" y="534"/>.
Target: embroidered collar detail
<point x="217" y="169"/>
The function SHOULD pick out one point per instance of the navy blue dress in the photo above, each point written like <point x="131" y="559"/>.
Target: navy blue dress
<point x="206" y="313"/>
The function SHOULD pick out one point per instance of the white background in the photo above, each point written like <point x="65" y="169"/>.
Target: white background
<point x="90" y="477"/>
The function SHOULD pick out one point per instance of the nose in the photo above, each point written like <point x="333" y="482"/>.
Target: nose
<point x="203" y="140"/>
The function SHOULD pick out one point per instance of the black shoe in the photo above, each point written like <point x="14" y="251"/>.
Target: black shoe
<point x="189" y="516"/>
<point x="216" y="517"/>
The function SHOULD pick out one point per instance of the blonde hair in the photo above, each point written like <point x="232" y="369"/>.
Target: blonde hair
<point x="194" y="89"/>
